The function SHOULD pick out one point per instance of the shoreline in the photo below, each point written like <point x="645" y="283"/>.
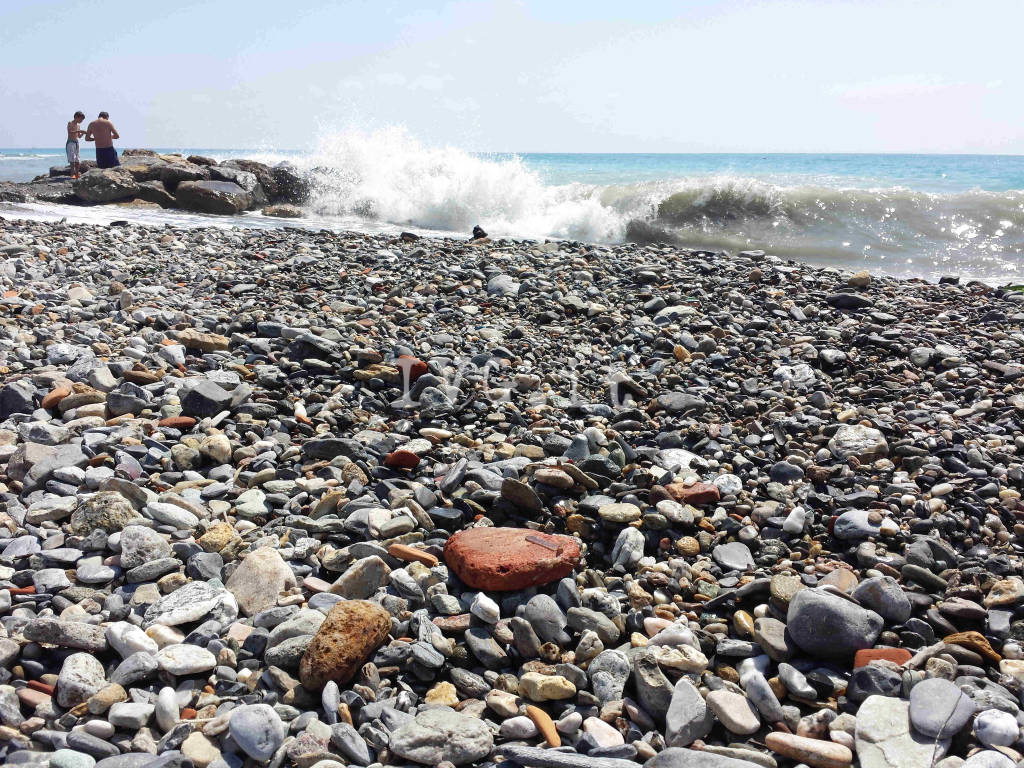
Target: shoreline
<point x="911" y="228"/>
<point x="157" y="219"/>
<point x="368" y="489"/>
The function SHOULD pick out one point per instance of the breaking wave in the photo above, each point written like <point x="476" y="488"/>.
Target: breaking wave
<point x="390" y="177"/>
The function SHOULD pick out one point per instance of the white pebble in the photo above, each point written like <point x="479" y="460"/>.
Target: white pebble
<point x="485" y="609"/>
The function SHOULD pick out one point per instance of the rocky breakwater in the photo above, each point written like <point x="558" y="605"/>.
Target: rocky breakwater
<point x="193" y="183"/>
<point x="536" y="504"/>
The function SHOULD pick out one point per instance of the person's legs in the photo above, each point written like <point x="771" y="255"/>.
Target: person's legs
<point x="71" y="148"/>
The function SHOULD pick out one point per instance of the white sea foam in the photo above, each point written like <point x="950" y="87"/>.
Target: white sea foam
<point x="7" y="157"/>
<point x="390" y="176"/>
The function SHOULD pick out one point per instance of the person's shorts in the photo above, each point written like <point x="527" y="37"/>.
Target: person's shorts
<point x="72" y="150"/>
<point x="106" y="157"/>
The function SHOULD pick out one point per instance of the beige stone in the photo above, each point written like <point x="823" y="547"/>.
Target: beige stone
<point x="199" y="749"/>
<point x="443" y="693"/>
<point x="538" y="687"/>
<point x="259" y="580"/>
<point x="813" y="752"/>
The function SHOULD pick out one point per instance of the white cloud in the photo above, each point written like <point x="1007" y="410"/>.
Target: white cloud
<point x="394" y="79"/>
<point x="429" y="82"/>
<point x="460" y="105"/>
<point x="894" y="87"/>
<point x="424" y="82"/>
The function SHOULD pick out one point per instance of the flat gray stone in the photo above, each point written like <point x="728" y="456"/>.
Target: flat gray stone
<point x="688" y="717"/>
<point x="734" y="556"/>
<point x="442" y="734"/>
<point x="258" y="730"/>
<point x="884" y="596"/>
<point x="884" y="738"/>
<point x="67" y="634"/>
<point x="674" y="757"/>
<point x="939" y="709"/>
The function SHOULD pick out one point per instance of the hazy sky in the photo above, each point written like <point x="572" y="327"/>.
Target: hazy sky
<point x="552" y="75"/>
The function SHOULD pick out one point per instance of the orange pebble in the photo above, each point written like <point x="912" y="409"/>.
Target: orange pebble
<point x="411" y="554"/>
<point x="177" y="422"/>
<point x="54" y="397"/>
<point x="544" y="724"/>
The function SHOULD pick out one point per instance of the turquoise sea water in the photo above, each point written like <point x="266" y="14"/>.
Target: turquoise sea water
<point x="912" y="215"/>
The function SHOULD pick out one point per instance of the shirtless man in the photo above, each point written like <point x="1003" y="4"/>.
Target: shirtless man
<point x="103" y="132"/>
<point x="75" y="132"/>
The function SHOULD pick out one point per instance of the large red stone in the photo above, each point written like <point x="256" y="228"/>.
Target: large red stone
<point x="697" y="494"/>
<point x="505" y="559"/>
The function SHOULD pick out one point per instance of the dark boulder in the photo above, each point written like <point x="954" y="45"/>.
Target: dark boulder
<point x="9" y="193"/>
<point x="105" y="185"/>
<point x="260" y="171"/>
<point x="174" y="174"/>
<point x="222" y="197"/>
<point x="292" y="187"/>
<point x="245" y="179"/>
<point x="155" y="192"/>
<point x="144" y="167"/>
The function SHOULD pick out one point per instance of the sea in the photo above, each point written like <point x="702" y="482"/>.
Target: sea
<point x="923" y="216"/>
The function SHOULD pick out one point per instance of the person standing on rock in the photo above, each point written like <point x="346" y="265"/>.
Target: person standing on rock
<point x="103" y="132"/>
<point x="75" y="132"/>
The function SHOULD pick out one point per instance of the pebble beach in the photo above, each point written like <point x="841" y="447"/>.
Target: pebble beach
<point x="283" y="497"/>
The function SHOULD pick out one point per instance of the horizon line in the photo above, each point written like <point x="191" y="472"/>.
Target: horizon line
<point x="169" y="150"/>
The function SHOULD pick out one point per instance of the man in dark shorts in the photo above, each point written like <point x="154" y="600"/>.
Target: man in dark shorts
<point x="75" y="132"/>
<point x="103" y="132"/>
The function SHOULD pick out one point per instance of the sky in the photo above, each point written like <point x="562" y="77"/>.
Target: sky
<point x="522" y="76"/>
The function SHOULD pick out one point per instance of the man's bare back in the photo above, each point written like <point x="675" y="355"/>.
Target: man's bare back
<point x="103" y="132"/>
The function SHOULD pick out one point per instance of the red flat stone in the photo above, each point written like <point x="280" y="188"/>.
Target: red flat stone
<point x="177" y="422"/>
<point x="863" y="657"/>
<point x="42" y="687"/>
<point x="696" y="494"/>
<point x="401" y="459"/>
<point x="416" y="367"/>
<point x="505" y="559"/>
